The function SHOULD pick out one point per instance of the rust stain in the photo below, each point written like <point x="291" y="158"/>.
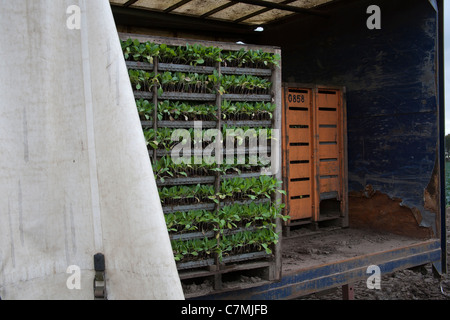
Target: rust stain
<point x="370" y="209"/>
<point x="431" y="193"/>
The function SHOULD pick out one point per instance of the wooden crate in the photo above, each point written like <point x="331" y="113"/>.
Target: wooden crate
<point x="314" y="154"/>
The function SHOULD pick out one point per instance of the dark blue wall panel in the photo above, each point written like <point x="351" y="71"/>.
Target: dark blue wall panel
<point x="390" y="76"/>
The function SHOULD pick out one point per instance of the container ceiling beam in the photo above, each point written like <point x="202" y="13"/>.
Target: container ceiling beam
<point x="280" y="6"/>
<point x="147" y="18"/>
<point x="237" y="12"/>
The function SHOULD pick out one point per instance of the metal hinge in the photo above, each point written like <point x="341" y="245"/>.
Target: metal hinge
<point x="99" y="280"/>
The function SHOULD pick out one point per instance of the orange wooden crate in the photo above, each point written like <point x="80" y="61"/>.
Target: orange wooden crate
<point x="301" y="208"/>
<point x="298" y="118"/>
<point x="329" y="184"/>
<point x="328" y="134"/>
<point x="300" y="170"/>
<point x="297" y="137"/>
<point x="329" y="168"/>
<point x="314" y="148"/>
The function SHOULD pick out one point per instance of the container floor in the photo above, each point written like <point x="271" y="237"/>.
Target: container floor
<point x="306" y="249"/>
<point x="377" y="223"/>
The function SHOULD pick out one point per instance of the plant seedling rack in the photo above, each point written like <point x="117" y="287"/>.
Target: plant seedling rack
<point x="222" y="220"/>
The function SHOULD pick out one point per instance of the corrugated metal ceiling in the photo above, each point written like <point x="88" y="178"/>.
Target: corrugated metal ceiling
<point x="250" y="12"/>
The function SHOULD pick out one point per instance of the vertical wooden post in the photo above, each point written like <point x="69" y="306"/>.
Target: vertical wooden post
<point x="275" y="271"/>
<point x="219" y="143"/>
<point x="284" y="160"/>
<point x="155" y="104"/>
<point x="217" y="184"/>
<point x="344" y="168"/>
<point x="315" y="161"/>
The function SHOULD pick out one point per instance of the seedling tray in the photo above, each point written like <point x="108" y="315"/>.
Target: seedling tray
<point x="155" y="93"/>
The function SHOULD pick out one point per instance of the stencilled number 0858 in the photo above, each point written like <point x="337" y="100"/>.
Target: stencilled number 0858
<point x="296" y="98"/>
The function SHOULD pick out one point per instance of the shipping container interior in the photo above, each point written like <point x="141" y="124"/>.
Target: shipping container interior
<point x="390" y="81"/>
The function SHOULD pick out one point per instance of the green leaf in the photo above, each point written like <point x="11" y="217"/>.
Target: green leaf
<point x="266" y="247"/>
